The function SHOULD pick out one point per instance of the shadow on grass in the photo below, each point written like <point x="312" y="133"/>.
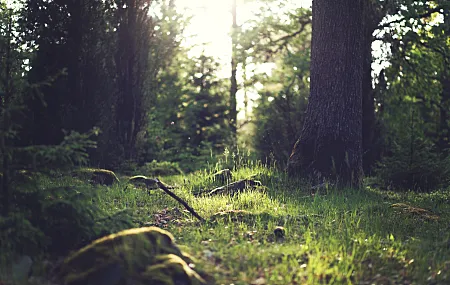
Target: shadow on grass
<point x="410" y="232"/>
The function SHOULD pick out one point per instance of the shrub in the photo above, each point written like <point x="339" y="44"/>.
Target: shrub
<point x="416" y="166"/>
<point x="163" y="168"/>
<point x="18" y="235"/>
<point x="56" y="220"/>
<point x="128" y="167"/>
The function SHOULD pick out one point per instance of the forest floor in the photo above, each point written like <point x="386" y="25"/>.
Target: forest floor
<point x="333" y="237"/>
<point x="349" y="236"/>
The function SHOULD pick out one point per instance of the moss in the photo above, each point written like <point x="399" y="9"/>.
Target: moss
<point x="170" y="269"/>
<point x="140" y="179"/>
<point x="123" y="256"/>
<point x="97" y="176"/>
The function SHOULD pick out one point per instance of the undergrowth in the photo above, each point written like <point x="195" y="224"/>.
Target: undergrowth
<point x="349" y="236"/>
<point x="333" y="237"/>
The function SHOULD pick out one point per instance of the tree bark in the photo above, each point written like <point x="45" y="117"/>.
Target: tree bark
<point x="5" y="189"/>
<point x="330" y="144"/>
<point x="444" y="106"/>
<point x="234" y="87"/>
<point x="126" y="109"/>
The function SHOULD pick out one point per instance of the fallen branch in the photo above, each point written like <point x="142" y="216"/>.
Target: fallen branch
<point x="181" y="201"/>
<point x="232" y="187"/>
<point x="150" y="183"/>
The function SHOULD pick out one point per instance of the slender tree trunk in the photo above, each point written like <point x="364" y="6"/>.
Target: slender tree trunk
<point x="132" y="76"/>
<point x="444" y="106"/>
<point x="234" y="87"/>
<point x="330" y="144"/>
<point x="126" y="109"/>
<point x="74" y="107"/>
<point x="6" y="121"/>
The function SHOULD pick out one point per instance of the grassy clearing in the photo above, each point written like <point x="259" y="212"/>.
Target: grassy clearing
<point x="350" y="236"/>
<point x="340" y="237"/>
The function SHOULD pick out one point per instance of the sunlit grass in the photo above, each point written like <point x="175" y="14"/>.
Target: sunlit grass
<point x="331" y="237"/>
<point x="340" y="237"/>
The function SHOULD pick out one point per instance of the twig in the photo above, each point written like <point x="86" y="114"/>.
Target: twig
<point x="181" y="201"/>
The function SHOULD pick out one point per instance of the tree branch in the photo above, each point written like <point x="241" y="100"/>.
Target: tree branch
<point x="424" y="15"/>
<point x="181" y="201"/>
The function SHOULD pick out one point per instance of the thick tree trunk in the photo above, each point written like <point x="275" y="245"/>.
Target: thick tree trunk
<point x="330" y="145"/>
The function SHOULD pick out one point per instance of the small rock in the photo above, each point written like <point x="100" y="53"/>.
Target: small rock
<point x="259" y="281"/>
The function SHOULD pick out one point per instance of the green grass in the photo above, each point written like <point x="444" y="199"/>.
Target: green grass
<point x="337" y="237"/>
<point x="332" y="237"/>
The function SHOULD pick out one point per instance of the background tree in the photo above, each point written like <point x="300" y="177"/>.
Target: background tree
<point x="10" y="60"/>
<point x="233" y="78"/>
<point x="196" y="128"/>
<point x="412" y="99"/>
<point x="112" y="53"/>
<point x="279" y="41"/>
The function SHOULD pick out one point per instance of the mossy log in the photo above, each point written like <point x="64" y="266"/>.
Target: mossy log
<point x="97" y="176"/>
<point x="150" y="183"/>
<point x="138" y="256"/>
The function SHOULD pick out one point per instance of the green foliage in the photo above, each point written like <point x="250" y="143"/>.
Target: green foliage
<point x="414" y="165"/>
<point x="71" y="151"/>
<point x="19" y="236"/>
<point x="279" y="118"/>
<point x="129" y="167"/>
<point x="412" y="97"/>
<point x="55" y="219"/>
<point x="280" y="109"/>
<point x="195" y="127"/>
<point x="163" y="168"/>
<point x="96" y="91"/>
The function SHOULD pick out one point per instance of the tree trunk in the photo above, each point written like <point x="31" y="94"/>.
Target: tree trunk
<point x="330" y="144"/>
<point x="126" y="109"/>
<point x="444" y="106"/>
<point x="234" y="87"/>
<point x="5" y="189"/>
